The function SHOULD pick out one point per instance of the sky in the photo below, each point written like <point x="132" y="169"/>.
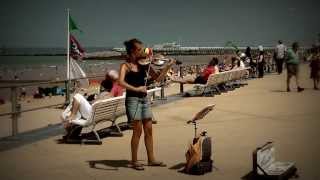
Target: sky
<point x="43" y="23"/>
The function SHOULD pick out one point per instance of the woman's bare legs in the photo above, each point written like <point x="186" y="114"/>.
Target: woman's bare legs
<point x="182" y="80"/>
<point x="288" y="82"/>
<point x="137" y="131"/>
<point x="148" y="139"/>
<point x="316" y="83"/>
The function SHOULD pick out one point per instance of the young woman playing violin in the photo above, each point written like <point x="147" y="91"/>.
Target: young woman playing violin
<point x="133" y="77"/>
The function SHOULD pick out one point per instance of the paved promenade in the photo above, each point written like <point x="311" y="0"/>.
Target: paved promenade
<point x="242" y="120"/>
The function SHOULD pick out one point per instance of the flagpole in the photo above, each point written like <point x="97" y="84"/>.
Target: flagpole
<point x="68" y="59"/>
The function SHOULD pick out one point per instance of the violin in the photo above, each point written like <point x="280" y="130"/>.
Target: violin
<point x="148" y="58"/>
<point x="158" y="59"/>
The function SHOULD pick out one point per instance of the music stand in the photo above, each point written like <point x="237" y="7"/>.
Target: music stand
<point x="200" y="115"/>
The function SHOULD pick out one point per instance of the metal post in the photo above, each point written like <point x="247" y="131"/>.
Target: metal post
<point x="154" y="96"/>
<point x="14" y="106"/>
<point x="181" y="75"/>
<point x="67" y="85"/>
<point x="197" y="69"/>
<point x="195" y="129"/>
<point x="162" y="92"/>
<point x="68" y="58"/>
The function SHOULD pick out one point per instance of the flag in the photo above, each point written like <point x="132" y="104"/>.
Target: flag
<point x="76" y="51"/>
<point x="73" y="25"/>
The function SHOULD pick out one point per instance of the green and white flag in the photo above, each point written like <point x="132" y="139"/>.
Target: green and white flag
<point x="73" y="25"/>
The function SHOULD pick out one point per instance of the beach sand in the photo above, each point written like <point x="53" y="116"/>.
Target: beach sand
<point x="242" y="120"/>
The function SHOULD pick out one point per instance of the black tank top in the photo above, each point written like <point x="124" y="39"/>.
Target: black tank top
<point x="136" y="79"/>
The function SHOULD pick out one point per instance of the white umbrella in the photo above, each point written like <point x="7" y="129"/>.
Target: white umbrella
<point x="77" y="72"/>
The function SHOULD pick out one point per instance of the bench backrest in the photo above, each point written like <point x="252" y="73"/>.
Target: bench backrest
<point x="225" y="76"/>
<point x="212" y="80"/>
<point x="110" y="108"/>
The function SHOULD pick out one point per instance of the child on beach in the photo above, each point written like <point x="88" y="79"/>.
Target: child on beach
<point x="315" y="68"/>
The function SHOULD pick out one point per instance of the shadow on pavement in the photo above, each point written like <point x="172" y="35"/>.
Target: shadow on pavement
<point x="112" y="165"/>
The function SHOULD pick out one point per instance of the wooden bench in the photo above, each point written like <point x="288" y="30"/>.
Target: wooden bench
<point x="265" y="164"/>
<point x="108" y="110"/>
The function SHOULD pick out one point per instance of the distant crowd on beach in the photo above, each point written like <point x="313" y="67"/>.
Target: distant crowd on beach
<point x="259" y="61"/>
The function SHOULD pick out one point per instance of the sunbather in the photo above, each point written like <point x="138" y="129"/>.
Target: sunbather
<point x="212" y="68"/>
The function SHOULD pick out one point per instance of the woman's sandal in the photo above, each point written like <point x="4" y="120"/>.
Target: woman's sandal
<point x="157" y="163"/>
<point x="137" y="166"/>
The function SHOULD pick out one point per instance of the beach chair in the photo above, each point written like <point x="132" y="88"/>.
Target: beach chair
<point x="266" y="166"/>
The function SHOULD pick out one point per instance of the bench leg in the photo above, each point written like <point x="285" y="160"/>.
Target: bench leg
<point x="204" y="91"/>
<point x="119" y="132"/>
<point x="97" y="136"/>
<point x="211" y="92"/>
<point x="217" y="89"/>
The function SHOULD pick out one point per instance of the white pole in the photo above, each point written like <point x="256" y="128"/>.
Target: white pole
<point x="68" y="47"/>
<point x="68" y="61"/>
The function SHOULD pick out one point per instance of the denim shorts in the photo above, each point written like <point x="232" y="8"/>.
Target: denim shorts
<point x="138" y="109"/>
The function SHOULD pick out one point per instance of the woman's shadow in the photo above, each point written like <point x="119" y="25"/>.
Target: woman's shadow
<point x="114" y="164"/>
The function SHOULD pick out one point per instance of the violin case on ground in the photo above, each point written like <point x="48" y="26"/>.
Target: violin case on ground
<point x="265" y="165"/>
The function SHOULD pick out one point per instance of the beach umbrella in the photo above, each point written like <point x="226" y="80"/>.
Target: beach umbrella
<point x="77" y="72"/>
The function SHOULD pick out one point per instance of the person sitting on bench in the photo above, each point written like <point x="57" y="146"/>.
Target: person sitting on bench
<point x="212" y="68"/>
<point x="81" y="107"/>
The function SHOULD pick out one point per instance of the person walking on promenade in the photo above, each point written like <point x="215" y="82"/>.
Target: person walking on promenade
<point x="133" y="76"/>
<point x="261" y="62"/>
<point x="280" y="51"/>
<point x="315" y="67"/>
<point x="252" y="64"/>
<point x="292" y="61"/>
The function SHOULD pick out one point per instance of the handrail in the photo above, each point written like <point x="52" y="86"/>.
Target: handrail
<point x="16" y="107"/>
<point x="32" y="109"/>
<point x="25" y="83"/>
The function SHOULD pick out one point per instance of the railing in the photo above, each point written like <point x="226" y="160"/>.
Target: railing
<point x="16" y="107"/>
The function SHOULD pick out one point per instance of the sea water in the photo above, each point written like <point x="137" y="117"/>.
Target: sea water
<point x="55" y="67"/>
